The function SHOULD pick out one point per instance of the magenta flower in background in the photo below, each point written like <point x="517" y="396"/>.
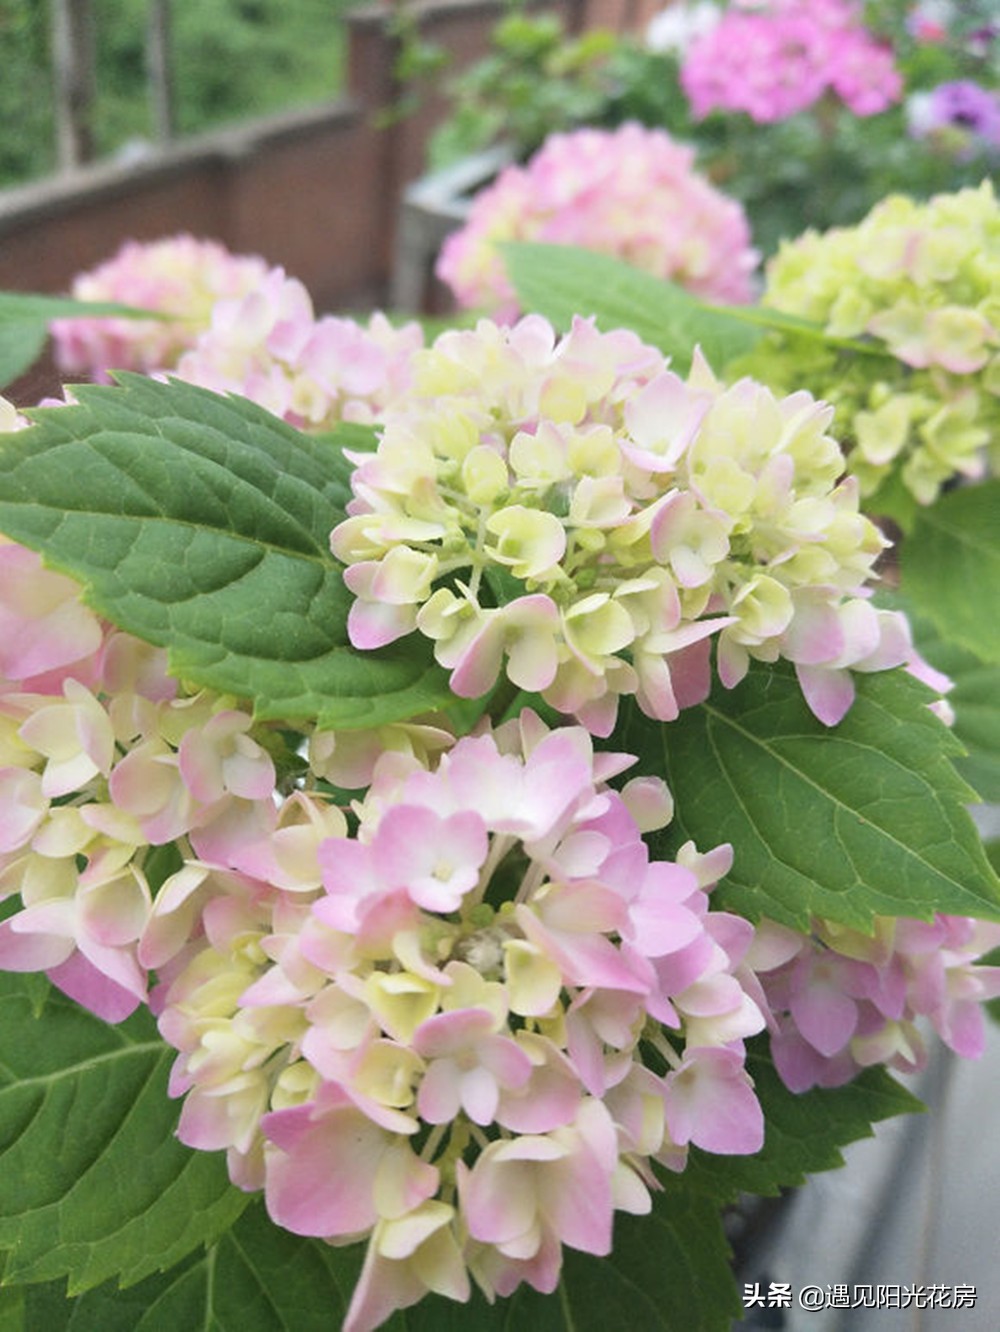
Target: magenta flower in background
<point x="781" y="58"/>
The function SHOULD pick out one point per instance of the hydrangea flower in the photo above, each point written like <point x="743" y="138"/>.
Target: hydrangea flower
<point x="268" y="345"/>
<point x="631" y="192"/>
<point x="970" y="25"/>
<point x="470" y="1040"/>
<point x="575" y="514"/>
<point x="102" y="758"/>
<point x="10" y="417"/>
<point x="240" y="327"/>
<point x="783" y="56"/>
<point x="179" y="276"/>
<point x="840" y="1001"/>
<point x="467" y="1017"/>
<point x="919" y="279"/>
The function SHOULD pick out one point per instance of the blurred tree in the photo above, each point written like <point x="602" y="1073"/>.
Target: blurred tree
<point x="230" y="59"/>
<point x="27" y="134"/>
<point x="73" y="82"/>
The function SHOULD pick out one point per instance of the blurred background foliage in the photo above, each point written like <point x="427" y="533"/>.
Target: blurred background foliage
<point x="822" y="167"/>
<point x="231" y="59"/>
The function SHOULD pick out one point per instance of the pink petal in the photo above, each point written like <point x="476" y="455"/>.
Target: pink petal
<point x="829" y="692"/>
<point x="710" y="1102"/>
<point x="320" y="1182"/>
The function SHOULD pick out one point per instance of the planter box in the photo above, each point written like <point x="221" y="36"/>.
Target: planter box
<point x="431" y="208"/>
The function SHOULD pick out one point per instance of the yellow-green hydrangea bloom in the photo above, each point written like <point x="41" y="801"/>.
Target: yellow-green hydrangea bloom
<point x="919" y="281"/>
<point x="573" y="514"/>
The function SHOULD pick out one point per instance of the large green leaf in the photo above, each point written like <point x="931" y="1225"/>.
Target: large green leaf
<point x="668" y="1273"/>
<point x="560" y="281"/>
<point x="87" y="1114"/>
<point x="975" y="700"/>
<point x="93" y="1183"/>
<point x="201" y="523"/>
<point x="255" y="1278"/>
<point x="950" y="567"/>
<point x="863" y="819"/>
<point x="24" y="325"/>
<point x="21" y="343"/>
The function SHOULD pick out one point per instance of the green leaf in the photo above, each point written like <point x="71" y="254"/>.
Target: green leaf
<point x="24" y="325"/>
<point x="18" y="305"/>
<point x="201" y="523"/>
<point x="867" y="818"/>
<point x="805" y="1130"/>
<point x="894" y="500"/>
<point x="777" y="321"/>
<point x="560" y="281"/>
<point x="21" y="344"/>
<point x="975" y="699"/>
<point x="255" y="1278"/>
<point x="668" y="1272"/>
<point x="950" y="567"/>
<point x="93" y="1183"/>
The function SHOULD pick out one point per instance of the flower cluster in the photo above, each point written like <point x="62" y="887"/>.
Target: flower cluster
<point x="921" y="280"/>
<point x="269" y="346"/>
<point x="928" y="21"/>
<point x="180" y="277"/>
<point x="972" y="24"/>
<point x="463" y="1026"/>
<point x="101" y="758"/>
<point x="466" y="1030"/>
<point x="630" y="192"/>
<point x="841" y="1001"/>
<point x="608" y="517"/>
<point x="238" y="326"/>
<point x="783" y="56"/>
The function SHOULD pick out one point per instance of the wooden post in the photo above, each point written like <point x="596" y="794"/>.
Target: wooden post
<point x="73" y="75"/>
<point x="160" y="71"/>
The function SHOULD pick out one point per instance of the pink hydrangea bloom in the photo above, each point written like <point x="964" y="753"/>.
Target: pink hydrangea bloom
<point x="101" y="758"/>
<point x="782" y="56"/>
<point x="240" y="327"/>
<point x="841" y="1001"/>
<point x="472" y="971"/>
<point x="268" y="345"/>
<point x="631" y="192"/>
<point x="179" y="276"/>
